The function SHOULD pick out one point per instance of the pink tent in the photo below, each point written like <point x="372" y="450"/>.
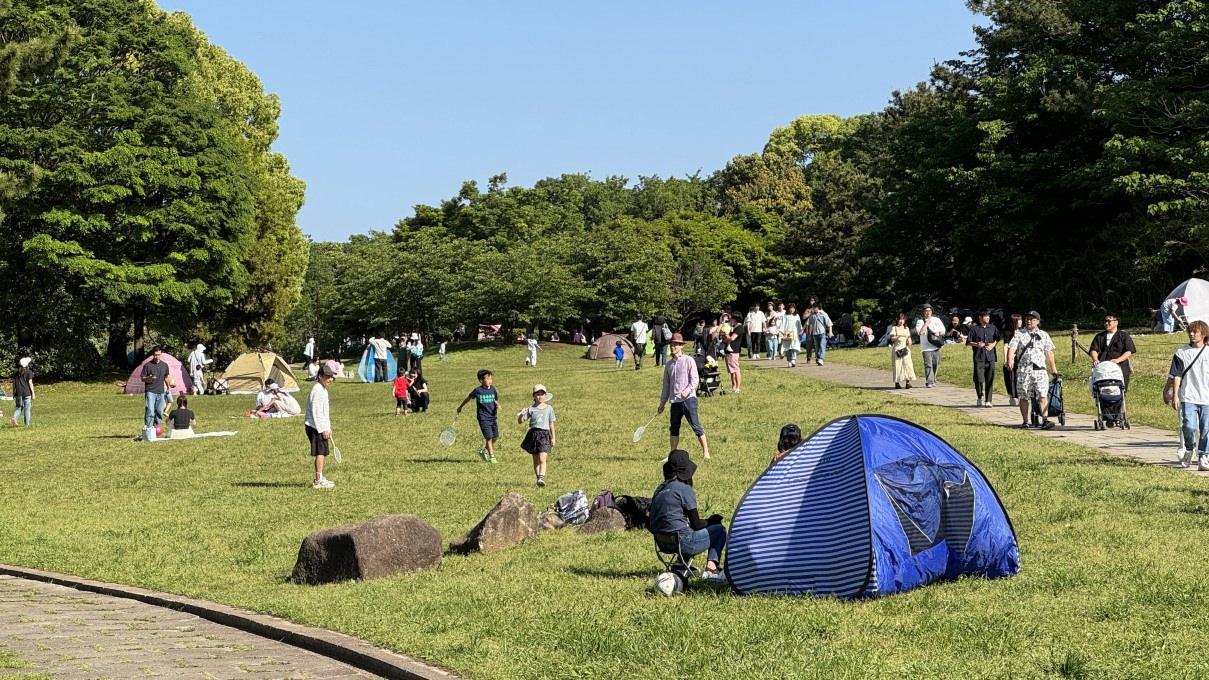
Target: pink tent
<point x="183" y="383"/>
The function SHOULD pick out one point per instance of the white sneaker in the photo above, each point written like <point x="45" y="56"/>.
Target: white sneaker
<point x="323" y="483"/>
<point x="987" y="403"/>
<point x="713" y="576"/>
<point x="1181" y="456"/>
<point x="1202" y="463"/>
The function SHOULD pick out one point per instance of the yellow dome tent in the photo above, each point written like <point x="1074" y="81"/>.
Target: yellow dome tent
<point x="246" y="375"/>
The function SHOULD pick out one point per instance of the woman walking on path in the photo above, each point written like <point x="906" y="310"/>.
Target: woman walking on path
<point x="900" y="353"/>
<point x="1015" y="323"/>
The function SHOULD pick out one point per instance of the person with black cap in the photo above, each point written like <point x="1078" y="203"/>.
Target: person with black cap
<point x="983" y="339"/>
<point x="674" y="512"/>
<point x="1031" y="351"/>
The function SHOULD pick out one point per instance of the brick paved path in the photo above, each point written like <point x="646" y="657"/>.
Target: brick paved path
<point x="73" y="635"/>
<point x="1146" y="444"/>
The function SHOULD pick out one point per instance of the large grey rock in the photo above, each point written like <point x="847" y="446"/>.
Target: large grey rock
<point x="511" y="522"/>
<point x="549" y="520"/>
<point x="382" y="546"/>
<point x="603" y="519"/>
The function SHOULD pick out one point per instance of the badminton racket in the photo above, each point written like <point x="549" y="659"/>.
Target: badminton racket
<point x="642" y="430"/>
<point x="449" y="435"/>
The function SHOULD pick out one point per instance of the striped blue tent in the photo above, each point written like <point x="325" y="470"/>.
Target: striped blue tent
<point x="869" y="505"/>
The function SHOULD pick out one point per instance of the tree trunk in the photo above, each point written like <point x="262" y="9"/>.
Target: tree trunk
<point x="140" y="329"/>
<point x="118" y="337"/>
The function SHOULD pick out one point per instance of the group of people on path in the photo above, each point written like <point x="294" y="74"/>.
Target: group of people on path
<point x="1028" y="355"/>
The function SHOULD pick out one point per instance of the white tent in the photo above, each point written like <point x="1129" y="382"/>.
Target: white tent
<point x="1197" y="292"/>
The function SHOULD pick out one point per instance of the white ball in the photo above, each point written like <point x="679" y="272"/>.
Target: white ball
<point x="669" y="584"/>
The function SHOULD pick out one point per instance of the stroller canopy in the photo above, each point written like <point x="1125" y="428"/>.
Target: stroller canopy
<point x="1197" y="292"/>
<point x="868" y="505"/>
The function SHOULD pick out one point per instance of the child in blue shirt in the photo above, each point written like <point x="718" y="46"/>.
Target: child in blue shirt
<point x="486" y="408"/>
<point x="619" y="354"/>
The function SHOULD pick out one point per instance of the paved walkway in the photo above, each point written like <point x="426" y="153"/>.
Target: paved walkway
<point x="1145" y="444"/>
<point x="69" y="634"/>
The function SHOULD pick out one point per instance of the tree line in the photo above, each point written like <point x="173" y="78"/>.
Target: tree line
<point x="139" y="194"/>
<point x="1063" y="164"/>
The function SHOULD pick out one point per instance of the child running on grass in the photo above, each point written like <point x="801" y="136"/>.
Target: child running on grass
<point x="619" y="354"/>
<point x="402" y="384"/>
<point x="319" y="425"/>
<point x="540" y="438"/>
<point x="487" y="406"/>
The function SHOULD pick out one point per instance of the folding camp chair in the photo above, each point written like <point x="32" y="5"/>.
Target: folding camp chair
<point x="672" y="558"/>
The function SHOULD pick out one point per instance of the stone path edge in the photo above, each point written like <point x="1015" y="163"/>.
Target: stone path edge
<point x="338" y="646"/>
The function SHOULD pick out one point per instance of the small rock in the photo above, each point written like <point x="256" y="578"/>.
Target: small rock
<point x="549" y="520"/>
<point x="382" y="546"/>
<point x="603" y="519"/>
<point x="511" y="522"/>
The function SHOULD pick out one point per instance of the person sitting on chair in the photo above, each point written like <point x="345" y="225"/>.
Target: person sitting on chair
<point x="674" y="512"/>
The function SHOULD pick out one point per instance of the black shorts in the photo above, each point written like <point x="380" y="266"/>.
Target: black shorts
<point x="489" y="428"/>
<point x="685" y="409"/>
<point x="537" y="441"/>
<point x="319" y="445"/>
<point x="400" y="402"/>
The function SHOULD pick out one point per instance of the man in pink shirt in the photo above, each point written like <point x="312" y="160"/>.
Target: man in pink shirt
<point x="680" y="387"/>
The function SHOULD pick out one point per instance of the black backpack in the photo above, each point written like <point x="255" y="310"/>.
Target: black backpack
<point x="636" y="510"/>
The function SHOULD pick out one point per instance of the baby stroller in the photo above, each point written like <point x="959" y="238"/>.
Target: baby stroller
<point x="709" y="381"/>
<point x="1107" y="385"/>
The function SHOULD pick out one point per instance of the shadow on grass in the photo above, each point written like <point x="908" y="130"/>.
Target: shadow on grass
<point x="435" y="461"/>
<point x="615" y="575"/>
<point x="113" y="436"/>
<point x="269" y="485"/>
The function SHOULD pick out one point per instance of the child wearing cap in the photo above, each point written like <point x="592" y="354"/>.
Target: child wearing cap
<point x="540" y="438"/>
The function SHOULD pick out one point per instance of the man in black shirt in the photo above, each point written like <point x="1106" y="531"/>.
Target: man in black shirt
<point x="983" y="338"/>
<point x="1113" y="345"/>
<point x="155" y="373"/>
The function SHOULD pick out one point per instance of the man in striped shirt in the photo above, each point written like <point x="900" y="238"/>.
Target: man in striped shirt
<point x="680" y="387"/>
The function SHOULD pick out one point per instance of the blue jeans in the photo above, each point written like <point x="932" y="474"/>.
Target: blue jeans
<point x="712" y="537"/>
<point x="685" y="409"/>
<point x="1165" y="319"/>
<point x="154" y="408"/>
<point x="773" y="340"/>
<point x="1194" y="417"/>
<point x="23" y="409"/>
<point x="819" y="341"/>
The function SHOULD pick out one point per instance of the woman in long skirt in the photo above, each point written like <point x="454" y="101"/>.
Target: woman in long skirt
<point x="900" y="352"/>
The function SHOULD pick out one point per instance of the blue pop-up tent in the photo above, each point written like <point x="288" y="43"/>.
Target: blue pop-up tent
<point x="868" y="505"/>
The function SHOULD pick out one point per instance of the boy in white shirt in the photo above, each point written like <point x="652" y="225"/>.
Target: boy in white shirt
<point x="319" y="425"/>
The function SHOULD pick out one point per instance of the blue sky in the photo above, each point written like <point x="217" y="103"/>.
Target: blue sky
<point x="390" y="104"/>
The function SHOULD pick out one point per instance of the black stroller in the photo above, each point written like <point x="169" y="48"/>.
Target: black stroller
<point x="1055" y="406"/>
<point x="709" y="380"/>
<point x="1107" y="385"/>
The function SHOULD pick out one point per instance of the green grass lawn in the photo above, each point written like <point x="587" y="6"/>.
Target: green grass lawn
<point x="1113" y="555"/>
<point x="1145" y="400"/>
<point x="10" y="661"/>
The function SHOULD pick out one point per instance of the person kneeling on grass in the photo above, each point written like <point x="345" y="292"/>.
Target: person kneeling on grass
<point x="674" y="511"/>
<point x="181" y="419"/>
<point x="540" y="439"/>
<point x="319" y="425"/>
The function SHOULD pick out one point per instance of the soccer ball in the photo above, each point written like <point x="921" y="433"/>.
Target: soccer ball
<point x="669" y="584"/>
